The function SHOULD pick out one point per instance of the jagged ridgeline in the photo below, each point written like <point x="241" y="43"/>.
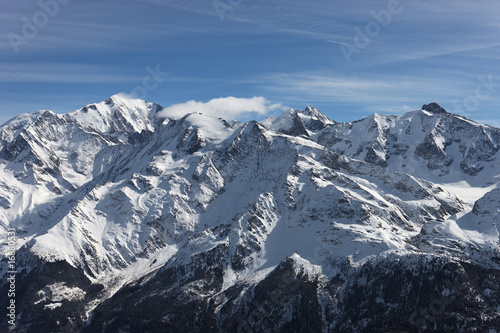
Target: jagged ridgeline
<point x="126" y="221"/>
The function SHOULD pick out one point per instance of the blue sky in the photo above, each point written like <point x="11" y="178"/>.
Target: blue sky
<point x="334" y="55"/>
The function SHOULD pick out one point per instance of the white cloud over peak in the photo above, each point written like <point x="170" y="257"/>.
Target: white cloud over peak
<point x="228" y="108"/>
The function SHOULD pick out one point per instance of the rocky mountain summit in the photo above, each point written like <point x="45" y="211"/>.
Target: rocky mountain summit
<point x="128" y="221"/>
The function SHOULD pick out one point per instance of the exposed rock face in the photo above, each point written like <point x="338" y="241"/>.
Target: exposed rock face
<point x="127" y="222"/>
<point x="434" y="108"/>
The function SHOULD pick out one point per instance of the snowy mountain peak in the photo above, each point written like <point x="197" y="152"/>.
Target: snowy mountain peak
<point x="299" y="122"/>
<point x="121" y="99"/>
<point x="313" y="119"/>
<point x="434" y="108"/>
<point x="313" y="112"/>
<point x="117" y="114"/>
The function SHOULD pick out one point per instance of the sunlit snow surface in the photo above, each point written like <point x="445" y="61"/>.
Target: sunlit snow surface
<point x="121" y="192"/>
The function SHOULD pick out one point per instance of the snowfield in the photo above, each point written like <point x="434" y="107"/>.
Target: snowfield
<point x="126" y="220"/>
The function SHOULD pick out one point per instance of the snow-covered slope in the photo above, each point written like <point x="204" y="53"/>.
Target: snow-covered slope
<point x="190" y="220"/>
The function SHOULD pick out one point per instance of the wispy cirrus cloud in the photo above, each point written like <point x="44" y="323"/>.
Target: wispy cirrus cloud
<point x="64" y="73"/>
<point x="334" y="87"/>
<point x="382" y="92"/>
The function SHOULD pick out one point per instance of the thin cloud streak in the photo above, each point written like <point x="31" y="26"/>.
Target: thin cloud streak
<point x="337" y="88"/>
<point x="64" y="73"/>
<point x="364" y="92"/>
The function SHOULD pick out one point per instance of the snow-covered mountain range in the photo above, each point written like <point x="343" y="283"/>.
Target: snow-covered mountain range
<point x="126" y="220"/>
